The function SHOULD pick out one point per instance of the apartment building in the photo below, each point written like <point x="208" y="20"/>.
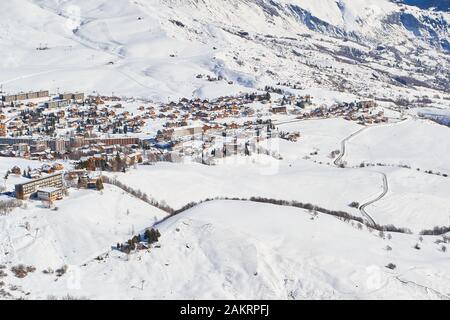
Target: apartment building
<point x="25" y="96"/>
<point x="29" y="189"/>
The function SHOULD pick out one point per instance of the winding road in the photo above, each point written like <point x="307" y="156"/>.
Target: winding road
<point x="339" y="163"/>
<point x="362" y="208"/>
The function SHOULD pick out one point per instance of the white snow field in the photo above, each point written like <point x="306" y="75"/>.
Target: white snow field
<point x="304" y="181"/>
<point x="336" y="51"/>
<point x="321" y="136"/>
<point x="85" y="225"/>
<point x="229" y="250"/>
<point x="417" y="143"/>
<point x="415" y="200"/>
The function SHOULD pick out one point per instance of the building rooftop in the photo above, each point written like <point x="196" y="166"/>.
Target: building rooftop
<point x="48" y="190"/>
<point x="43" y="178"/>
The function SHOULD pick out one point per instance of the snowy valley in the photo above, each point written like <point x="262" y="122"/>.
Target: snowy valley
<point x="213" y="149"/>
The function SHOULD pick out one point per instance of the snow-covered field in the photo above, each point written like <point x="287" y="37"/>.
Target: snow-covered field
<point x="238" y="249"/>
<point x="321" y="136"/>
<point x="179" y="184"/>
<point x="230" y="250"/>
<point x="85" y="225"/>
<point x="415" y="200"/>
<point x="417" y="143"/>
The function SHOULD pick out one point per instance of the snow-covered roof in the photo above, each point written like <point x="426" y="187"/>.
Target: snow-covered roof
<point x="48" y="190"/>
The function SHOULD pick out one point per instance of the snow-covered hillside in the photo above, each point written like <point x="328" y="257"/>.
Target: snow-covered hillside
<point x="229" y="250"/>
<point x="156" y="48"/>
<point x="415" y="143"/>
<point x="355" y="153"/>
<point x="84" y="226"/>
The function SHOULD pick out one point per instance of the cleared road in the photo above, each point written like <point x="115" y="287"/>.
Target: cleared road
<point x="338" y="161"/>
<point x="381" y="196"/>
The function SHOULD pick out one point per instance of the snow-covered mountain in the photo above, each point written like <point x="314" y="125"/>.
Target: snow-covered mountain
<point x="396" y="166"/>
<point x="155" y="48"/>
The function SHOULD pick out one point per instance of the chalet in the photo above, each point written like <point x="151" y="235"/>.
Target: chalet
<point x="16" y="170"/>
<point x="279" y="109"/>
<point x="34" y="174"/>
<point x="134" y="158"/>
<point x="47" y="168"/>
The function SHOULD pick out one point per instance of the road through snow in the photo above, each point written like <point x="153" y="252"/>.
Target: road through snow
<point x="381" y="196"/>
<point x="339" y="163"/>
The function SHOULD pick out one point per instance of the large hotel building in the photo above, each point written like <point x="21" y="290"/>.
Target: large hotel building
<point x="26" y="190"/>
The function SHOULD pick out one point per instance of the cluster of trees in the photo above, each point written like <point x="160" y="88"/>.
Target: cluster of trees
<point x="27" y="173"/>
<point x="99" y="184"/>
<point x="92" y="164"/>
<point x="354" y="204"/>
<point x="273" y="90"/>
<point x="253" y="96"/>
<point x="391" y="266"/>
<point x="436" y="231"/>
<point x="290" y="85"/>
<point x="117" y="164"/>
<point x="335" y="153"/>
<point x="151" y="236"/>
<point x="404" y="166"/>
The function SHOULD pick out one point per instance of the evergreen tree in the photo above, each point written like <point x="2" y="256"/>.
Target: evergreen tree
<point x="152" y="235"/>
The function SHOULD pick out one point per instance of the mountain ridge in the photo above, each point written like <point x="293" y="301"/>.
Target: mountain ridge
<point x="156" y="48"/>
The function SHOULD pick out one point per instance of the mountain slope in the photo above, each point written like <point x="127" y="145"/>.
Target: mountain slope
<point x="155" y="49"/>
<point x="243" y="250"/>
